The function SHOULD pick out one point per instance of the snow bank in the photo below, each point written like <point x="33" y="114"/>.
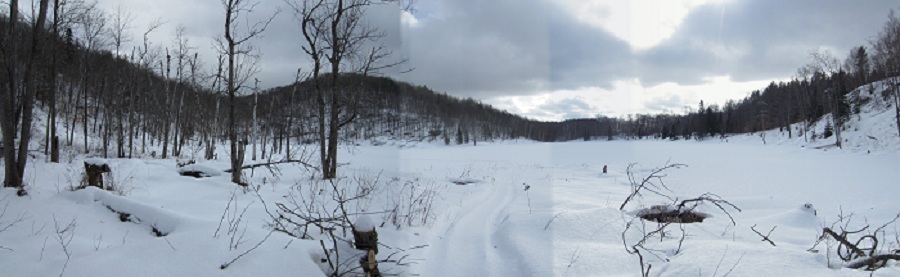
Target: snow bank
<point x="160" y="221"/>
<point x="96" y="161"/>
<point x="363" y="223"/>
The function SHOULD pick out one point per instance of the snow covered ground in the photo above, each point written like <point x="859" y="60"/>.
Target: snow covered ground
<point x="526" y="209"/>
<point x="512" y="208"/>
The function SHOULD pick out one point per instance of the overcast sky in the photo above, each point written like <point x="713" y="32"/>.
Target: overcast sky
<point x="557" y="59"/>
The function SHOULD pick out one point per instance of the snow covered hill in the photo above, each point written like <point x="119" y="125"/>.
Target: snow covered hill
<point x="872" y="129"/>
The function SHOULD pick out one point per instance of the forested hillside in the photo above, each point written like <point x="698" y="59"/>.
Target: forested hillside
<point x="101" y="99"/>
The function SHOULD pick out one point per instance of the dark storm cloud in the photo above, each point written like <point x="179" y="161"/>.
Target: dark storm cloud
<point x="581" y="56"/>
<point x="466" y="47"/>
<point x="485" y="49"/>
<point x="758" y="40"/>
<point x="492" y="48"/>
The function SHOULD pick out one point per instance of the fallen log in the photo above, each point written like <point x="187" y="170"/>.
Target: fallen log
<point x="251" y="166"/>
<point x="873" y="262"/>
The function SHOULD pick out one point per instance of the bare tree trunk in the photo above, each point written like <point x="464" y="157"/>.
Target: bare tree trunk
<point x="179" y="77"/>
<point x="104" y="128"/>
<point x="291" y="115"/>
<point x="836" y="110"/>
<point x="53" y="140"/>
<point x="336" y="27"/>
<point x="131" y="107"/>
<point x="71" y="108"/>
<point x="232" y="10"/>
<point x="15" y="166"/>
<point x="28" y="102"/>
<point x="11" y="178"/>
<point x="330" y="171"/>
<point x="320" y="99"/>
<point x="214" y="133"/>
<point x="255" y="125"/>
<point x="236" y="159"/>
<point x="333" y="127"/>
<point x="84" y="120"/>
<point x="176" y="148"/>
<point x="166" y="107"/>
<point x="896" y="106"/>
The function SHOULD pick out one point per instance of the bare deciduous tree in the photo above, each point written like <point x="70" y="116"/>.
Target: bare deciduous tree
<point x="235" y="47"/>
<point x="335" y="32"/>
<point x="16" y="159"/>
<point x="825" y="63"/>
<point x="887" y="59"/>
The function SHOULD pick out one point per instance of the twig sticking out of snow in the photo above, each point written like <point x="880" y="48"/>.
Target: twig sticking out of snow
<point x="575" y="255"/>
<point x="710" y="198"/>
<point x="732" y="267"/>
<point x="226" y="265"/>
<point x="551" y="220"/>
<point x="766" y="236"/>
<point x="235" y="221"/>
<point x="64" y="236"/>
<point x="527" y="187"/>
<point x="7" y="224"/>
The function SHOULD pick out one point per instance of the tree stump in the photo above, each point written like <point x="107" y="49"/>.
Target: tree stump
<point x="94" y="169"/>
<point x="366" y="238"/>
<point x="54" y="150"/>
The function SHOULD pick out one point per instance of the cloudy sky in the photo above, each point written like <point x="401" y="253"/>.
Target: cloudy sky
<point x="557" y="59"/>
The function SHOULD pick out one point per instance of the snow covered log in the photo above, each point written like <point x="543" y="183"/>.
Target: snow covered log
<point x="874" y="262"/>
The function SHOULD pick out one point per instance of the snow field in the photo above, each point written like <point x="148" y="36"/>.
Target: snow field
<point x="567" y="223"/>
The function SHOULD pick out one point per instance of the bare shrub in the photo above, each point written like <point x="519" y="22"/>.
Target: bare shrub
<point x="64" y="235"/>
<point x="862" y="247"/>
<point x="7" y="220"/>
<point x="327" y="206"/>
<point x="410" y="203"/>
<point x="118" y="184"/>
<point x="678" y="212"/>
<point x="324" y="210"/>
<point x="233" y="221"/>
<point x="653" y="182"/>
<point x="75" y="178"/>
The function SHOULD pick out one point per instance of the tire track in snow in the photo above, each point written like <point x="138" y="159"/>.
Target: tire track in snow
<point x="467" y="246"/>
